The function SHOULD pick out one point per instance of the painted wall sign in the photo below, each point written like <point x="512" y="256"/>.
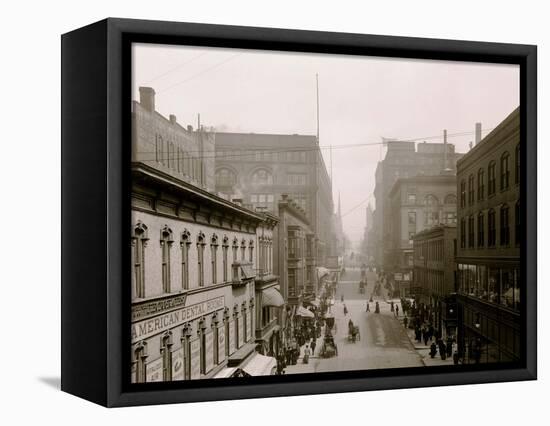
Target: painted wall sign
<point x="209" y="348"/>
<point x="150" y="327"/>
<point x="142" y="310"/>
<point x="195" y="358"/>
<point x="221" y="343"/>
<point x="154" y="371"/>
<point x="178" y="364"/>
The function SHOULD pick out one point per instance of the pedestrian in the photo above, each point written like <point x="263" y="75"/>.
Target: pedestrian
<point x="342" y="298"/>
<point x="391" y="306"/>
<point x="345" y="310"/>
<point x="307" y="352"/>
<point x="433" y="350"/>
<point x="396" y="310"/>
<point x="442" y="350"/>
<point x="405" y="321"/>
<point x="313" y="345"/>
<point x="425" y="336"/>
<point x="368" y="307"/>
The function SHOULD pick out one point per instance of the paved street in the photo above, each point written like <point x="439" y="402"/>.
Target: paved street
<point x="384" y="342"/>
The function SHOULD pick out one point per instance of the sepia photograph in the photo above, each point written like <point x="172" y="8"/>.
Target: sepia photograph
<point x="303" y="213"/>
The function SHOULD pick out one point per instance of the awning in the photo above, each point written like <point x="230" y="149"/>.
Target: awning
<point x="303" y="312"/>
<point x="260" y="365"/>
<point x="321" y="272"/>
<point x="272" y="297"/>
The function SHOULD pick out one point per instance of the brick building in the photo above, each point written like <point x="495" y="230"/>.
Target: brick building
<point x="488" y="254"/>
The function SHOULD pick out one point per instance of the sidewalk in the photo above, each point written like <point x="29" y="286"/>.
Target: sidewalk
<point x="300" y="367"/>
<point x="422" y="349"/>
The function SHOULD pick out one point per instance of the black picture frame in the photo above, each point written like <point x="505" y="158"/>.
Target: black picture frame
<point x="95" y="209"/>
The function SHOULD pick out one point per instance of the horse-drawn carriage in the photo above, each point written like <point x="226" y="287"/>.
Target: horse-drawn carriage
<point x="329" y="348"/>
<point x="353" y="332"/>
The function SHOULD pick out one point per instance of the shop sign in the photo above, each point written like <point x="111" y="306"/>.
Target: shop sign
<point x="178" y="364"/>
<point x="221" y="343"/>
<point x="149" y="327"/>
<point x="195" y="358"/>
<point x="209" y="348"/>
<point x="231" y="336"/>
<point x="151" y="308"/>
<point x="398" y="276"/>
<point x="240" y="331"/>
<point x="154" y="371"/>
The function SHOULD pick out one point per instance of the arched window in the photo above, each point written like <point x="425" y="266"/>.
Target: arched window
<point x="450" y="199"/>
<point x="201" y="242"/>
<point x="504" y="171"/>
<point x="139" y="241"/>
<point x="214" y="257"/>
<point x="185" y="244"/>
<point x="243" y="250"/>
<point x="225" y="249"/>
<point x="492" y="228"/>
<point x="480" y="229"/>
<point x="471" y="232"/>
<point x="432" y="210"/>
<point x="225" y="177"/>
<point x="504" y="225"/>
<point x="471" y="193"/>
<point x="165" y="350"/>
<point x="251" y="251"/>
<point x="462" y="233"/>
<point x="480" y="184"/>
<point x="463" y="193"/>
<point x="431" y="200"/>
<point x="492" y="180"/>
<point x="235" y="248"/>
<point x="262" y="177"/>
<point x="166" y="241"/>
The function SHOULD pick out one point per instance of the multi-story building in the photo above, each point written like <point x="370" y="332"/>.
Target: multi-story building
<point x="488" y="257"/>
<point x="269" y="301"/>
<point x="415" y="204"/>
<point x="193" y="257"/>
<point x="434" y="275"/>
<point x="369" y="237"/>
<point x="404" y="160"/>
<point x="259" y="168"/>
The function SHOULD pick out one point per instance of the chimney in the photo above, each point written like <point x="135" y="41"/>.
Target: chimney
<point x="238" y="201"/>
<point x="147" y="98"/>
<point x="189" y="128"/>
<point x="478" y="133"/>
<point x="173" y="119"/>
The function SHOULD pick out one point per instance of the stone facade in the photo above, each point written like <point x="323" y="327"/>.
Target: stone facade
<point x="416" y="204"/>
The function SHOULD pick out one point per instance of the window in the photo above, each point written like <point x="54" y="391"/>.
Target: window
<point x="158" y="148"/>
<point x="166" y="356"/>
<point x="431" y="200"/>
<point x="262" y="201"/>
<point x="463" y="194"/>
<point x="450" y="199"/>
<point x="491" y="238"/>
<point x="165" y="245"/>
<point x="235" y="248"/>
<point x="491" y="178"/>
<point x="449" y="218"/>
<point x="412" y="218"/>
<point x="139" y="241"/>
<point x="185" y="244"/>
<point x="411" y="198"/>
<point x="480" y="230"/>
<point x="243" y="250"/>
<point x="262" y="177"/>
<point x="140" y="356"/>
<point x="225" y="249"/>
<point x="462" y="233"/>
<point x="411" y="236"/>
<point x="518" y="224"/>
<point x="251" y="251"/>
<point x="517" y="171"/>
<point x="225" y="177"/>
<point x="471" y="231"/>
<point x="471" y="193"/>
<point x="297" y="179"/>
<point x="214" y="257"/>
<point x="432" y="218"/>
<point x="504" y="226"/>
<point x="480" y="184"/>
<point x="201" y="242"/>
<point x="504" y="171"/>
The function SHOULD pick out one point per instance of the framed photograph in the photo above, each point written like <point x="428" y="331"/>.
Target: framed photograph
<point x="256" y="212"/>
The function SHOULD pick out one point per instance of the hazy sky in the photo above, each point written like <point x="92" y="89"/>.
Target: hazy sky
<point x="361" y="100"/>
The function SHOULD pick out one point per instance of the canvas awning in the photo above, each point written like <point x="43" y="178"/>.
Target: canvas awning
<point x="260" y="365"/>
<point x="321" y="272"/>
<point x="303" y="312"/>
<point x="272" y="297"/>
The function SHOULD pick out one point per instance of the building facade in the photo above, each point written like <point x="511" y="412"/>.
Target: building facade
<point x="488" y="257"/>
<point x="404" y="160"/>
<point x="259" y="168"/>
<point x="415" y="204"/>
<point x="434" y="275"/>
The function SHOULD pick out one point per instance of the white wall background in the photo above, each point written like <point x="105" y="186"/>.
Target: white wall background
<point x="30" y="249"/>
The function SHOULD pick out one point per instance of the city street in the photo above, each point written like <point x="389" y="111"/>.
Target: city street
<point x="383" y="344"/>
